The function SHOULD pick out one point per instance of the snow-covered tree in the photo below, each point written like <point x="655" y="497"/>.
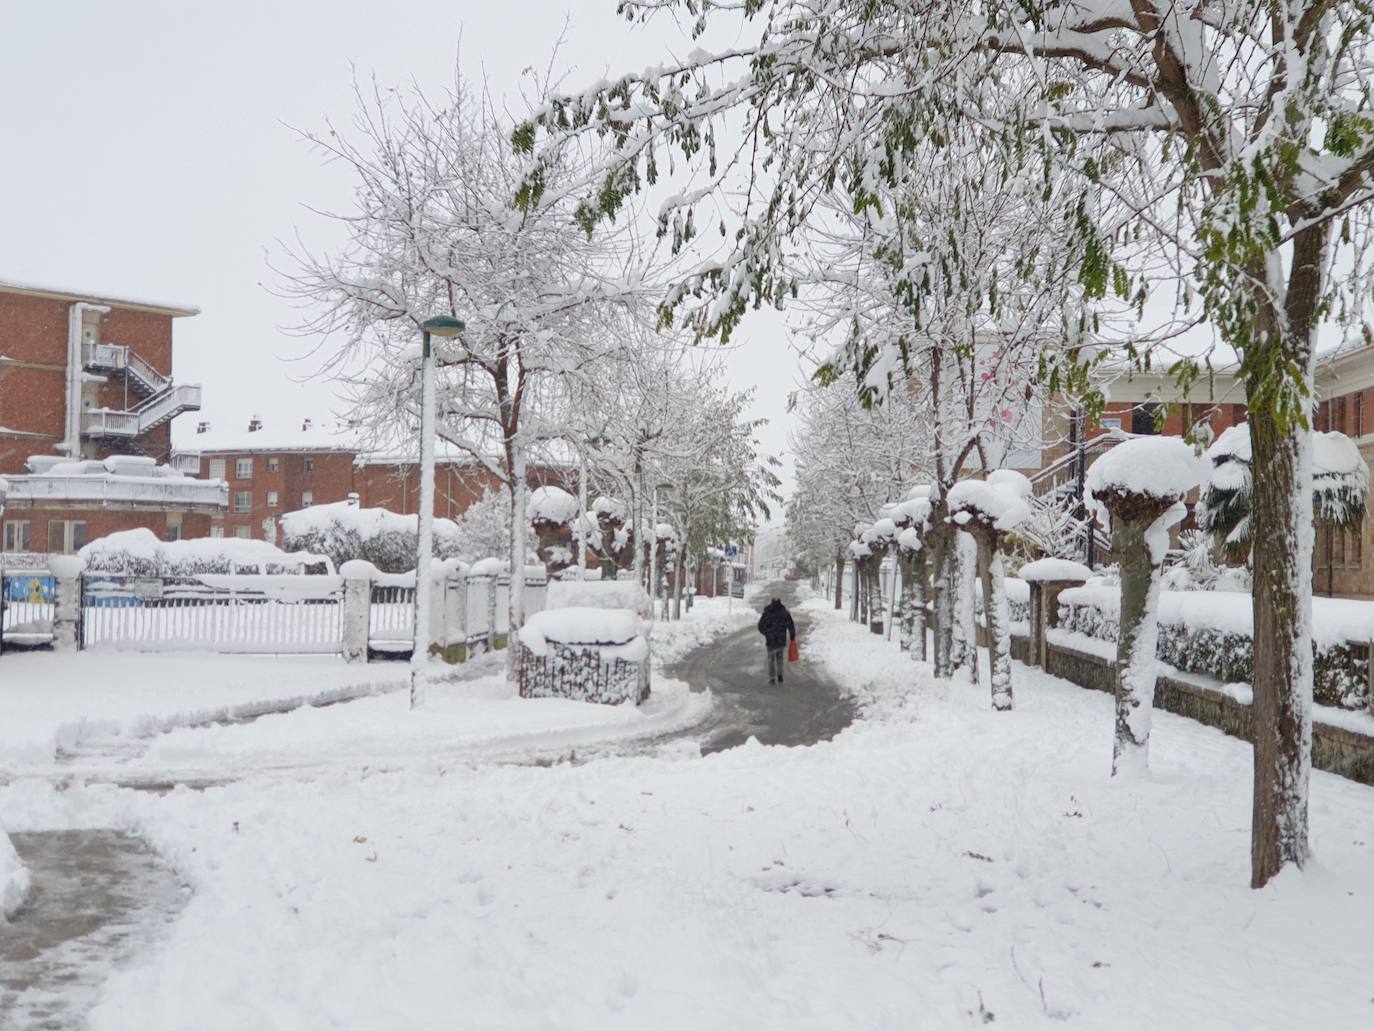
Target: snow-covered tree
<point x="989" y="510"/>
<point x="1142" y="484"/>
<point x="912" y="519"/>
<point x="1235" y="131"/>
<point x="447" y="221"/>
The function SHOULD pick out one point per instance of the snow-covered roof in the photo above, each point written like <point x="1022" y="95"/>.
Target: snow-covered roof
<point x="17" y="286"/>
<point x="299" y="434"/>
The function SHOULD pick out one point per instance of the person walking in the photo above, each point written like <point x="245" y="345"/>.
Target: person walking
<point x="777" y="628"/>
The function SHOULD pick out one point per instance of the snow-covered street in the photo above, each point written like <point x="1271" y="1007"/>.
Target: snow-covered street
<point x="936" y="865"/>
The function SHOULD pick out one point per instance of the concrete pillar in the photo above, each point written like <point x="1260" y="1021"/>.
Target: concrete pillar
<point x="455" y="609"/>
<point x="66" y="620"/>
<point x="357" y="606"/>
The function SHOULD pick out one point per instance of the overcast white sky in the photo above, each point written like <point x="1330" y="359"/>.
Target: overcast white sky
<point x="147" y="151"/>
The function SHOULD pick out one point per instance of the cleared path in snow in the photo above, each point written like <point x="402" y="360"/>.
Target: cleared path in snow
<point x="806" y="708"/>
<point x="99" y="898"/>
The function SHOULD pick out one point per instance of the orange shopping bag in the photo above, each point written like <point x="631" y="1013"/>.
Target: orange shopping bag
<point x="793" y="653"/>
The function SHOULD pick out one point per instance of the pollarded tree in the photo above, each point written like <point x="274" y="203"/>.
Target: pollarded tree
<point x="1141" y="483"/>
<point x="989" y="510"/>
<point x="912" y="519"/>
<point x="1236" y="130"/>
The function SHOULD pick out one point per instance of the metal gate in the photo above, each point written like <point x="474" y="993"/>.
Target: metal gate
<point x="294" y="614"/>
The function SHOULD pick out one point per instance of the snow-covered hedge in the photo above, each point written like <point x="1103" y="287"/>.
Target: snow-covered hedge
<point x="1210" y="633"/>
<point x="14" y="879"/>
<point x="345" y="532"/>
<point x="140" y="553"/>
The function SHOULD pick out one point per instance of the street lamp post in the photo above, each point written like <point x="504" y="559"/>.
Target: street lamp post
<point x="441" y="326"/>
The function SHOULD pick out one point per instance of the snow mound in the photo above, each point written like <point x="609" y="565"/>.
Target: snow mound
<point x="14" y="879"/>
<point x="1162" y="467"/>
<point x="615" y="631"/>
<point x="139" y="551"/>
<point x="999" y="500"/>
<point x="552" y="505"/>
<point x="598" y="594"/>
<point x="1055" y="569"/>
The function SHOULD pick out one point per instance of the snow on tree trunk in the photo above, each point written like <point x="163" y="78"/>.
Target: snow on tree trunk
<point x="518" y="548"/>
<point x="906" y="599"/>
<point x="998" y="616"/>
<point x="942" y="581"/>
<point x="1283" y="536"/>
<point x="917" y="613"/>
<point x="1136" y="648"/>
<point x="839" y="582"/>
<point x="965" y="651"/>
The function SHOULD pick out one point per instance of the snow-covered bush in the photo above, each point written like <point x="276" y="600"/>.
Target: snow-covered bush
<point x="1197" y="569"/>
<point x="14" y="879"/>
<point x="552" y="512"/>
<point x="345" y="532"/>
<point x="140" y="553"/>
<point x="1340" y="484"/>
<point x="1209" y="633"/>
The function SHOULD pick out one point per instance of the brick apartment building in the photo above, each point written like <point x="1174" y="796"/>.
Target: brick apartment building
<point x="86" y="405"/>
<point x="273" y="467"/>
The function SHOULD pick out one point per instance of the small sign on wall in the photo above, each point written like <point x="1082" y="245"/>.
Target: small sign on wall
<point x="148" y="588"/>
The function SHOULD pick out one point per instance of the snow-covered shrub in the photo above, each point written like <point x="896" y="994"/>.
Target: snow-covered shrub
<point x="1340" y="484"/>
<point x="552" y="512"/>
<point x="14" y="879"/>
<point x="140" y="553"/>
<point x="1209" y="634"/>
<point x="346" y="532"/>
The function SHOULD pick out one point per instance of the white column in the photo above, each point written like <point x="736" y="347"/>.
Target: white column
<point x="425" y="548"/>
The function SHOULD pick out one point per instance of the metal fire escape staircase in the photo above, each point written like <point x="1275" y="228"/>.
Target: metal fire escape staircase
<point x="161" y="400"/>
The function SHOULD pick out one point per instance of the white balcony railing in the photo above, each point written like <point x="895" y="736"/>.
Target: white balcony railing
<point x="105" y="422"/>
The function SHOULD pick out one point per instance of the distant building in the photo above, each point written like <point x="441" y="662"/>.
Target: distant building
<point x="273" y="467"/>
<point x="86" y="405"/>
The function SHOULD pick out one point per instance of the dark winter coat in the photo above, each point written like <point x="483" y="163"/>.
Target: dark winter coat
<point x="776" y="625"/>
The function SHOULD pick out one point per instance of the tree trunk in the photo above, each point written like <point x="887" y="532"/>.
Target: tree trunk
<point x="1282" y="708"/>
<point x="942" y="584"/>
<point x="906" y="603"/>
<point x="1281" y="508"/>
<point x="516" y="617"/>
<point x="965" y="651"/>
<point x="997" y="616"/>
<point x="918" y="606"/>
<point x="1136" y="647"/>
<point x="839" y="582"/>
<point x="876" y="602"/>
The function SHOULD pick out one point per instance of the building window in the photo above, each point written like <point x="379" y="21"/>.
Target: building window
<point x="66" y="536"/>
<point x="216" y="468"/>
<point x="243" y="501"/>
<point x="271" y="499"/>
<point x="1110" y="424"/>
<point x="173" y="533"/>
<point x="271" y="465"/>
<point x="1143" y="418"/>
<point x="17" y="535"/>
<point x="307" y="499"/>
<point x="1357" y="415"/>
<point x="243" y="532"/>
<point x="217" y="530"/>
<point x="243" y="469"/>
<point x="1338" y="415"/>
<point x="310" y="465"/>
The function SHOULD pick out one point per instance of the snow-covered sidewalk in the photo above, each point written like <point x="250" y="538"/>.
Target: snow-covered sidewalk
<point x="180" y="715"/>
<point x="937" y="866"/>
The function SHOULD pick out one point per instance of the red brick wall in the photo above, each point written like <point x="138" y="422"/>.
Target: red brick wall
<point x="34" y="329"/>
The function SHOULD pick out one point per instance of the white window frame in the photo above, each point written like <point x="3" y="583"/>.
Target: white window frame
<point x="217" y="469"/>
<point x="243" y="468"/>
<point x="243" y="533"/>
<point x="14" y="540"/>
<point x="272" y="465"/>
<point x="243" y="501"/>
<point x="307" y="499"/>
<point x="309" y="465"/>
<point x="217" y="530"/>
<point x="66" y="530"/>
<point x="271" y="499"/>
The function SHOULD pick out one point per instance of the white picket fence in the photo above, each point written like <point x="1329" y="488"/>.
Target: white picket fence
<point x="265" y="614"/>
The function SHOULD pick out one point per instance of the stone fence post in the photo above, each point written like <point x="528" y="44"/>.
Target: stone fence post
<point x="1047" y="578"/>
<point x="66" y="617"/>
<point x="356" y="610"/>
<point x="455" y="610"/>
